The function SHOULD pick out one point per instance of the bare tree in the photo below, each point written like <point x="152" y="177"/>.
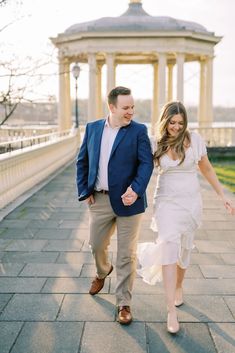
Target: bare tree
<point x="10" y="97"/>
<point x="21" y="81"/>
<point x="19" y="77"/>
<point x="3" y="2"/>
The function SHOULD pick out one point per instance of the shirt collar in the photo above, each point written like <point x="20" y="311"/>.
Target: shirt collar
<point x="106" y="124"/>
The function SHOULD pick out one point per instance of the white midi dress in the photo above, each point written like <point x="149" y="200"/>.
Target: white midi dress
<point x="177" y="213"/>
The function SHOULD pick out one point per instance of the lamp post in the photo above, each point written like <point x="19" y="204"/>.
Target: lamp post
<point x="76" y="72"/>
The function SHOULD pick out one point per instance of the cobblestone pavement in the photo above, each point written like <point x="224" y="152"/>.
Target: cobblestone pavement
<point x="46" y="268"/>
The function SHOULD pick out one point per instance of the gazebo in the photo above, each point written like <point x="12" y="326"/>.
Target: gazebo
<point x="136" y="38"/>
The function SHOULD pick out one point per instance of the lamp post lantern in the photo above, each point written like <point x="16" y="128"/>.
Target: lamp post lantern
<point x="76" y="72"/>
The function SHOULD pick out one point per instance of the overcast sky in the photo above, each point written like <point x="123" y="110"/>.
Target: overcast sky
<point x="40" y="19"/>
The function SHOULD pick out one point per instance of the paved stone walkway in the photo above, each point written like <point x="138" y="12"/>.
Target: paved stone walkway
<point x="46" y="269"/>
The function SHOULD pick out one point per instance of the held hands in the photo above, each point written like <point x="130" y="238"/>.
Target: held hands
<point x="129" y="197"/>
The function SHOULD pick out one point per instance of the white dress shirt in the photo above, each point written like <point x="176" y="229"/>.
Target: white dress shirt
<point x="108" y="137"/>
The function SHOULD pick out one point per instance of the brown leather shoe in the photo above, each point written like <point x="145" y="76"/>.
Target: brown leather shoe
<point x="124" y="315"/>
<point x="98" y="283"/>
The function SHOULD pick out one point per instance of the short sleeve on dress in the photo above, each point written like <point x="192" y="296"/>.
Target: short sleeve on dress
<point x="198" y="145"/>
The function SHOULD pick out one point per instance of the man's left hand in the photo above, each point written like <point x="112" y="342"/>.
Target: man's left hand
<point x="129" y="197"/>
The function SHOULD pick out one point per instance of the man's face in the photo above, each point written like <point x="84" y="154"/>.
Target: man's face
<point x="123" y="111"/>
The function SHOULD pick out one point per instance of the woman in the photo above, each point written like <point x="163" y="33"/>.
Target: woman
<point x="178" y="206"/>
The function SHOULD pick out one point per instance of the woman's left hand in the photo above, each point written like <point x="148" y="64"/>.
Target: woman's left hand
<point x="228" y="205"/>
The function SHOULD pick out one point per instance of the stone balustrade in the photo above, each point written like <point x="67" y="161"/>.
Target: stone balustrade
<point x="217" y="137"/>
<point x="23" y="142"/>
<point x="22" y="169"/>
<point x="9" y="133"/>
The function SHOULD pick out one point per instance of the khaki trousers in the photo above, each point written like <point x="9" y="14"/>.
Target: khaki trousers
<point x="102" y="225"/>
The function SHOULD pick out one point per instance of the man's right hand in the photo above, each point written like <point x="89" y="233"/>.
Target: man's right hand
<point x="90" y="200"/>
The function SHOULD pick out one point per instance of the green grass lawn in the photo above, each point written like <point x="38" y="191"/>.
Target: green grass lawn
<point x="226" y="174"/>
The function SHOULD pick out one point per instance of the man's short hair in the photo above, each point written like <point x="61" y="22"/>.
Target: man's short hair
<point x="117" y="91"/>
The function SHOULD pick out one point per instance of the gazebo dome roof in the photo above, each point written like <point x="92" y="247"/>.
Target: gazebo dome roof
<point x="136" y="19"/>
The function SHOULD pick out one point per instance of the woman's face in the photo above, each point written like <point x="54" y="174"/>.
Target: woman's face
<point x="175" y="125"/>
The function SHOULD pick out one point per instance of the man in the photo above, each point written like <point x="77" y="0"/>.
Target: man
<point x="114" y="166"/>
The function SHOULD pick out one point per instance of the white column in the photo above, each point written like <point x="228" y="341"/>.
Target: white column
<point x="170" y="82"/>
<point x="64" y="109"/>
<point x="110" y="61"/>
<point x="180" y="76"/>
<point x="202" y="94"/>
<point x="209" y="89"/>
<point x="154" y="115"/>
<point x="92" y="87"/>
<point x="161" y="80"/>
<point x="99" y="102"/>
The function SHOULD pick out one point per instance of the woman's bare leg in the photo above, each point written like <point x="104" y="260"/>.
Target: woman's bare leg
<point x="179" y="286"/>
<point x="169" y="280"/>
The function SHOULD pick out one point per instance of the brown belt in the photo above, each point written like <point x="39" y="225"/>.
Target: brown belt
<point x="105" y="192"/>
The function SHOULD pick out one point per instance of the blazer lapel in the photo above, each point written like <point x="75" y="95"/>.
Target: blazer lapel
<point x="99" y="132"/>
<point x="121" y="133"/>
<point x="97" y="138"/>
<point x="94" y="141"/>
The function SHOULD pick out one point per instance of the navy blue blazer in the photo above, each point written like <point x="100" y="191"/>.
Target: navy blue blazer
<point x="130" y="163"/>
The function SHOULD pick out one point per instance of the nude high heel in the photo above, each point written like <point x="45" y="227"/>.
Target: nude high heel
<point x="172" y="323"/>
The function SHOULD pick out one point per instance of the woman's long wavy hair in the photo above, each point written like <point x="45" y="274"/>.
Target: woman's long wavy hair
<point x="166" y="141"/>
